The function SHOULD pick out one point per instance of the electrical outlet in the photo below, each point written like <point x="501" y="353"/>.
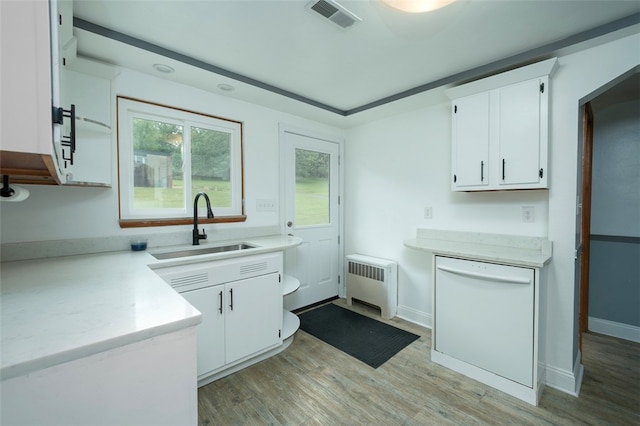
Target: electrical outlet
<point x="266" y="205"/>
<point x="428" y="212"/>
<point x="528" y="214"/>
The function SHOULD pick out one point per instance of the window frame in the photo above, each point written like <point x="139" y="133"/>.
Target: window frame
<point x="127" y="109"/>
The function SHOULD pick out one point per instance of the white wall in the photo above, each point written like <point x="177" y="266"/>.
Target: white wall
<point x="399" y="165"/>
<point x="394" y="169"/>
<point x="54" y="213"/>
<point x="579" y="75"/>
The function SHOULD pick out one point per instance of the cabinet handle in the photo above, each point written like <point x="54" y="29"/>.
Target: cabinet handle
<point x="231" y="298"/>
<point x="482" y="171"/>
<point x="482" y="276"/>
<point x="220" y="295"/>
<point x="503" y="168"/>
<point x="67" y="141"/>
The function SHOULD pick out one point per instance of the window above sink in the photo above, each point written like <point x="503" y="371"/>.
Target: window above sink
<point x="167" y="155"/>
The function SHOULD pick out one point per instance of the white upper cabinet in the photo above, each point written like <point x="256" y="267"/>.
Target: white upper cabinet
<point x="91" y="96"/>
<point x="67" y="43"/>
<point x="519" y="134"/>
<point x="38" y="89"/>
<point x="500" y="130"/>
<point x="85" y="85"/>
<point x="27" y="141"/>
<point x="471" y="141"/>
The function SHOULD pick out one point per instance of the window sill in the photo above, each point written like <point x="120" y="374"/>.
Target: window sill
<point x="143" y="223"/>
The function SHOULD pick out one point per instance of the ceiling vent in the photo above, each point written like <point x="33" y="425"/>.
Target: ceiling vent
<point x="334" y="12"/>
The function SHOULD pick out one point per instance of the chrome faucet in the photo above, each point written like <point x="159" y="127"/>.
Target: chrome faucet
<point x="197" y="236"/>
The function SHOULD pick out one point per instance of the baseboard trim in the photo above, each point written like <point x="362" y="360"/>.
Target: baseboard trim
<point x="615" y="329"/>
<point x="412" y="315"/>
<point x="314" y="305"/>
<point x="566" y="381"/>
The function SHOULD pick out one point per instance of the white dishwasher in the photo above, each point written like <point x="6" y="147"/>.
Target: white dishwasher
<point x="484" y="316"/>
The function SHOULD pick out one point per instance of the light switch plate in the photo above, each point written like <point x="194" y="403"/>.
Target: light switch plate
<point x="528" y="214"/>
<point x="265" y="205"/>
<point x="428" y="212"/>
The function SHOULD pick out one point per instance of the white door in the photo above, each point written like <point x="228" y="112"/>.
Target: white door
<point x="311" y="211"/>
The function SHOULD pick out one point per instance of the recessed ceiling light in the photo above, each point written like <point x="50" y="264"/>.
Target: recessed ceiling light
<point x="417" y="6"/>
<point x="226" y="87"/>
<point x="165" y="69"/>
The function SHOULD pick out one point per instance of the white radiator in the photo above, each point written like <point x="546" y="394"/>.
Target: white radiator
<point x="374" y="281"/>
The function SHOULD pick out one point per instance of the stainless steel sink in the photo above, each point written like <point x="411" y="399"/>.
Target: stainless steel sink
<point x="203" y="250"/>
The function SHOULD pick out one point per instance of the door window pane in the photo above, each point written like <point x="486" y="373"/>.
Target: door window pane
<point x="157" y="165"/>
<point x="312" y="188"/>
<point x="211" y="165"/>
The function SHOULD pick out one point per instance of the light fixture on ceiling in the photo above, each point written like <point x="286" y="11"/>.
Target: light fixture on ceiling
<point x="226" y="87"/>
<point x="417" y="6"/>
<point x="165" y="69"/>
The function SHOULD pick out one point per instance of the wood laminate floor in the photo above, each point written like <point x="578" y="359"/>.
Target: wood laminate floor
<point x="312" y="383"/>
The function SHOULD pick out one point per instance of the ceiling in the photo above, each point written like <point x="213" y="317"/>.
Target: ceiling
<point x="282" y="55"/>
<point x="625" y="90"/>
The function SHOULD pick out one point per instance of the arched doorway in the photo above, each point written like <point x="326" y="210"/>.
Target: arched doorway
<point x="609" y="228"/>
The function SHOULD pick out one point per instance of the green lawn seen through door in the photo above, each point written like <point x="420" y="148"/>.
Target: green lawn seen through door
<point x="312" y="201"/>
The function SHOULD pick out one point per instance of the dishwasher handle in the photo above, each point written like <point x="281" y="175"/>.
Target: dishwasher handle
<point x="490" y="277"/>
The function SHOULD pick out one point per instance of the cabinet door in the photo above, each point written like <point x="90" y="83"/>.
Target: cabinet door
<point x="519" y="133"/>
<point x="210" y="332"/>
<point x="66" y="41"/>
<point x="90" y="95"/>
<point x="254" y="315"/>
<point x="26" y="83"/>
<point x="470" y="148"/>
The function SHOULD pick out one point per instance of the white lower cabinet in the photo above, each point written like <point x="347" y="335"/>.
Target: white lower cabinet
<point x="254" y="316"/>
<point x="232" y="326"/>
<point x="149" y="382"/>
<point x="241" y="304"/>
<point x="210" y="350"/>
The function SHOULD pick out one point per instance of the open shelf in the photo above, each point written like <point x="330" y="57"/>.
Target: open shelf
<point x="290" y="324"/>
<point x="290" y="284"/>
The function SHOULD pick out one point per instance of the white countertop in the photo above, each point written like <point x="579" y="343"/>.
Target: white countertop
<point x="503" y="249"/>
<point x="58" y="309"/>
